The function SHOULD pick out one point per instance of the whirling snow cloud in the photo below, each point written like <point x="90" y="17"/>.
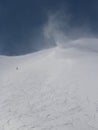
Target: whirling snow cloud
<point x="59" y="30"/>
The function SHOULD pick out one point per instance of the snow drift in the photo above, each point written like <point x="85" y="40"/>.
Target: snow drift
<point x="53" y="89"/>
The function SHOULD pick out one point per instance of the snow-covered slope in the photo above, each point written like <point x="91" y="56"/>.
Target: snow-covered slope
<point x="55" y="89"/>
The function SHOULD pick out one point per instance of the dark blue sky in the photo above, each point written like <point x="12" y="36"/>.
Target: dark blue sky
<point x="21" y="20"/>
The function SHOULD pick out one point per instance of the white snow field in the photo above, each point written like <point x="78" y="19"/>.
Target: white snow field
<point x="53" y="89"/>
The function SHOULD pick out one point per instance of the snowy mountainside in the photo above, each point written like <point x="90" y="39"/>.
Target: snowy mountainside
<point x="54" y="89"/>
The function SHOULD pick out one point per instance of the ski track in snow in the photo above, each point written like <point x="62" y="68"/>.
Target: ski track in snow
<point x="55" y="89"/>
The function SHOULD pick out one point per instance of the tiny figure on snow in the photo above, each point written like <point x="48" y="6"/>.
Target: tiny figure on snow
<point x="17" y="68"/>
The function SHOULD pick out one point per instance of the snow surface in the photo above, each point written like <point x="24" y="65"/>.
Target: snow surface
<point x="54" y="89"/>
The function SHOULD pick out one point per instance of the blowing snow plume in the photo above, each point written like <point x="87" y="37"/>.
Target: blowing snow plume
<point x="60" y="30"/>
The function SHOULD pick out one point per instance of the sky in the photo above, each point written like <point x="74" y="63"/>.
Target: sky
<point x="22" y="22"/>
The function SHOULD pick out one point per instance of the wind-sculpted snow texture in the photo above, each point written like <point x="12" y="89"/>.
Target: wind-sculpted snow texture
<point x="55" y="89"/>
